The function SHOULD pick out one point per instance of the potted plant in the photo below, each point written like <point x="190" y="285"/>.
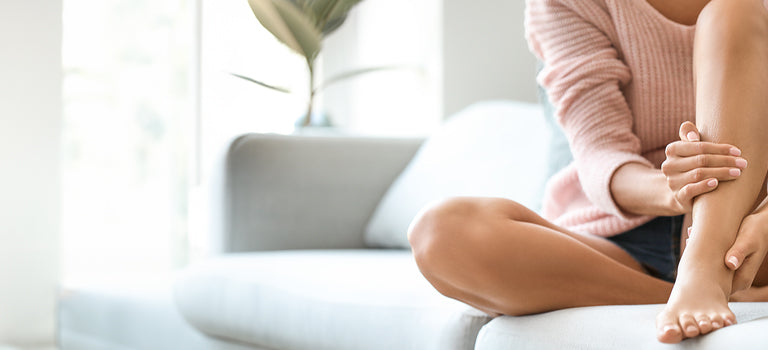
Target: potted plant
<point x="302" y="25"/>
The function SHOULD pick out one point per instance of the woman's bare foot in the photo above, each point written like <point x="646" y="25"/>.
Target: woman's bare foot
<point x="698" y="303"/>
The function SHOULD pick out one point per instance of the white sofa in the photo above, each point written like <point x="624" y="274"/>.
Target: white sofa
<point x="314" y="255"/>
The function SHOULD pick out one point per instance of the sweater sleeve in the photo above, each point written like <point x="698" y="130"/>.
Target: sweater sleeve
<point x="583" y="76"/>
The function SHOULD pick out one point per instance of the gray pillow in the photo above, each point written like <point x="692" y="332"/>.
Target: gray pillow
<point x="493" y="149"/>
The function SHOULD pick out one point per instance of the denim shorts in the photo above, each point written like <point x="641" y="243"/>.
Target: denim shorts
<point x="655" y="245"/>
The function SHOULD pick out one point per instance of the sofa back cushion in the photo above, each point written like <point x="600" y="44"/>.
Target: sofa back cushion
<point x="490" y="149"/>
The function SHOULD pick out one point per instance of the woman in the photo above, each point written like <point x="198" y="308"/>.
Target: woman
<point x="629" y="78"/>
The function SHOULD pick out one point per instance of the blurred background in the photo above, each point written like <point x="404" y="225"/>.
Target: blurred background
<point x="113" y="114"/>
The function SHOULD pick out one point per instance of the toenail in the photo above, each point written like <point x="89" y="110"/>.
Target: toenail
<point x="728" y="322"/>
<point x="716" y="324"/>
<point x="691" y="329"/>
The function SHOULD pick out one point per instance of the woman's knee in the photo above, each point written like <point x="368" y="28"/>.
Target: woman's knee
<point x="436" y="222"/>
<point x="738" y="20"/>
<point x="456" y="222"/>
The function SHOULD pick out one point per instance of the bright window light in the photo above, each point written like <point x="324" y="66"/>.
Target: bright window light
<point x="127" y="127"/>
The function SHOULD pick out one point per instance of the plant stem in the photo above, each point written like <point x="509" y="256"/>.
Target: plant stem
<point x="308" y="116"/>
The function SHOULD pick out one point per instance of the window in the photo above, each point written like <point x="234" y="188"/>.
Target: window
<point x="126" y="131"/>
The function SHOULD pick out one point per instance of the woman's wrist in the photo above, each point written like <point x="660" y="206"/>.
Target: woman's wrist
<point x="642" y="190"/>
<point x="672" y="206"/>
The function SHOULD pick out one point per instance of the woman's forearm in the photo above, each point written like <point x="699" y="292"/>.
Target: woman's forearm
<point x="641" y="190"/>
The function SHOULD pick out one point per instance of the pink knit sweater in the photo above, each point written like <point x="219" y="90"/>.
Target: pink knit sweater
<point x="620" y="75"/>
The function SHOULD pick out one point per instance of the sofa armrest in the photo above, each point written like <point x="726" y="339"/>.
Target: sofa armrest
<point x="305" y="192"/>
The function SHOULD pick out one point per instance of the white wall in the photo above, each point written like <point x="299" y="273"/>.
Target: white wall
<point x="485" y="55"/>
<point x="402" y="101"/>
<point x="30" y="120"/>
<point x="470" y="51"/>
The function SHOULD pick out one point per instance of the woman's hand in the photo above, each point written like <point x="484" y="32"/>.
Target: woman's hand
<point x="693" y="167"/>
<point x="746" y="255"/>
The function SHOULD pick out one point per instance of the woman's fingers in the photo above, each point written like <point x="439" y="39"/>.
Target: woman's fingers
<point x="739" y="258"/>
<point x="687" y="192"/>
<point x="746" y="244"/>
<point x="689" y="132"/>
<point x="678" y="180"/>
<point x="689" y="149"/>
<point x="678" y="165"/>
<point x="693" y="167"/>
<point x="680" y="171"/>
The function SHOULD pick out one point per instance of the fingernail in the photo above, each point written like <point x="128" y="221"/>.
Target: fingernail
<point x="692" y="136"/>
<point x="734" y="172"/>
<point x="735" y="151"/>
<point x="734" y="261"/>
<point x="741" y="163"/>
<point x="712" y="183"/>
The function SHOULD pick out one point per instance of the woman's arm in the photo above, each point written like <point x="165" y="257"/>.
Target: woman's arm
<point x="641" y="190"/>
<point x="692" y="168"/>
<point x="584" y="77"/>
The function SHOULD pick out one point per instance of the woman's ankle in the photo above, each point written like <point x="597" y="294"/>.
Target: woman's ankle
<point x="695" y="267"/>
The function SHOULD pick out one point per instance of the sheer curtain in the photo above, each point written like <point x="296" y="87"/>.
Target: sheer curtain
<point x="128" y="121"/>
<point x="149" y="106"/>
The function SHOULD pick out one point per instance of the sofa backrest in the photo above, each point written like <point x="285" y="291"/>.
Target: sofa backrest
<point x="494" y="148"/>
<point x="304" y="192"/>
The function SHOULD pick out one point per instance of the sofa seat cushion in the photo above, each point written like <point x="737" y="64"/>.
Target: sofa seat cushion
<point x="618" y="327"/>
<point x="131" y="315"/>
<point x="344" y="299"/>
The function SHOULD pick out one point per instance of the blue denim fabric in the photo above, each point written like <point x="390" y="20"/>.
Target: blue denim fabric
<point x="655" y="245"/>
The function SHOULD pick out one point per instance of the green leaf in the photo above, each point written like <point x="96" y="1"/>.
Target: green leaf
<point x="308" y="8"/>
<point x="334" y="14"/>
<point x="327" y="15"/>
<point x="289" y="25"/>
<point x="341" y="9"/>
<point x="302" y="27"/>
<point x="277" y="88"/>
<point x="268" y="16"/>
<point x="361" y="71"/>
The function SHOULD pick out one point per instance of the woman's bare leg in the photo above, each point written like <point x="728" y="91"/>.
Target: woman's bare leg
<point x="502" y="258"/>
<point x="731" y="72"/>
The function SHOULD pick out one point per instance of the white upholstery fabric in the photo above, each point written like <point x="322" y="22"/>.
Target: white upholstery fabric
<point x="128" y="318"/>
<point x="496" y="148"/>
<point x="305" y="192"/>
<point x="618" y="327"/>
<point x="324" y="300"/>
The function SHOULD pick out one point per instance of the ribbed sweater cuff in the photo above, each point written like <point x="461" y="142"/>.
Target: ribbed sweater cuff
<point x="599" y="192"/>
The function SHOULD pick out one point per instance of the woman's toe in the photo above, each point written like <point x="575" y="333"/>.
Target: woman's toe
<point x="717" y="322"/>
<point x="668" y="330"/>
<point x="689" y="325"/>
<point x="729" y="319"/>
<point x="704" y="323"/>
